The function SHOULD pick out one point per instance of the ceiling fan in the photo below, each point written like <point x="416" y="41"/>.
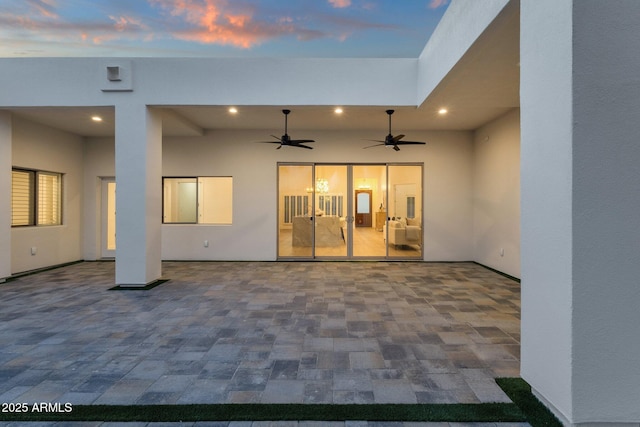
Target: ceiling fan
<point x="393" y="141"/>
<point x="285" y="140"/>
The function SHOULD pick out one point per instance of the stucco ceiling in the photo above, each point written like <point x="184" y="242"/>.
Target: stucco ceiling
<point x="482" y="86"/>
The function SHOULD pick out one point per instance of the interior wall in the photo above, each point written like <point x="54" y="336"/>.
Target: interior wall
<point x="496" y="194"/>
<point x="40" y="147"/>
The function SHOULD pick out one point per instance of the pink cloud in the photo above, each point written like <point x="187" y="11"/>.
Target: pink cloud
<point x="125" y="23"/>
<point x="44" y="8"/>
<point x="209" y="22"/>
<point x="438" y="3"/>
<point x="340" y="3"/>
<point x="40" y="20"/>
<point x="123" y="26"/>
<point x="223" y="23"/>
<point x="239" y="24"/>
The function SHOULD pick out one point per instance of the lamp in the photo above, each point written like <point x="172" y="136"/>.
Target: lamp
<point x="364" y="185"/>
<point x="322" y="185"/>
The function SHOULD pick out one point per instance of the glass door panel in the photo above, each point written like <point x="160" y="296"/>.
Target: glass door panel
<point x="330" y="211"/>
<point x="295" y="207"/>
<point x="369" y="196"/>
<point x="405" y="228"/>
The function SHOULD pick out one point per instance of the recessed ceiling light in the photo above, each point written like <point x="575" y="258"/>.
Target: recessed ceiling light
<point x="338" y="110"/>
<point x="233" y="110"/>
<point x="96" y="118"/>
<point x="443" y="111"/>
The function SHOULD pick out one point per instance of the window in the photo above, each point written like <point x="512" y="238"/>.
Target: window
<point x="36" y="198"/>
<point x="197" y="200"/>
<point x="411" y="207"/>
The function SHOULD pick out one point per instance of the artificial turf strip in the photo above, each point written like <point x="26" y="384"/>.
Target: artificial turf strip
<point x="520" y="393"/>
<point x="483" y="412"/>
<point x="526" y="407"/>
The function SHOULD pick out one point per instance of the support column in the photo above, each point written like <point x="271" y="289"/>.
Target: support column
<point x="138" y="195"/>
<point x="580" y="183"/>
<point x="6" y="138"/>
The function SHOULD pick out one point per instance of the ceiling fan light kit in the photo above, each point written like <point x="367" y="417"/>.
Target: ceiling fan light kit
<point x="390" y="141"/>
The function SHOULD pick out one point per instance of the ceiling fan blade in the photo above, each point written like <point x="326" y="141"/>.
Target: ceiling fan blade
<point x="375" y="145"/>
<point x="410" y="143"/>
<point x="285" y="139"/>
<point x="393" y="141"/>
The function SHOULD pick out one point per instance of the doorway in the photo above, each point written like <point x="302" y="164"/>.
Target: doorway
<point x="347" y="211"/>
<point x="108" y="215"/>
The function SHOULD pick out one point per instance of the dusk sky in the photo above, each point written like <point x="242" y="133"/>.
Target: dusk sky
<point x="217" y="28"/>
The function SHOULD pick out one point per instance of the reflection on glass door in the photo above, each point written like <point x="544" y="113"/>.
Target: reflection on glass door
<point x="331" y="237"/>
<point x="295" y="211"/>
<point x="404" y="228"/>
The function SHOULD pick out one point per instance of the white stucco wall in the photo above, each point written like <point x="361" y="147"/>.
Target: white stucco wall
<point x="5" y="193"/>
<point x="253" y="235"/>
<point x="546" y="187"/>
<point x="496" y="194"/>
<point x="210" y="81"/>
<point x="580" y="100"/>
<point x="606" y="207"/>
<point x="461" y="25"/>
<point x="42" y="148"/>
<point x="447" y="210"/>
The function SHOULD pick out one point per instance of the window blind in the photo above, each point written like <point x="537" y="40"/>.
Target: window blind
<point x="48" y="198"/>
<point x="21" y="198"/>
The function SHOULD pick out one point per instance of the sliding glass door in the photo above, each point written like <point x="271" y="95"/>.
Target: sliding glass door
<point x="349" y="211"/>
<point x="295" y="211"/>
<point x="404" y="209"/>
<point x="331" y="211"/>
<point x="369" y="195"/>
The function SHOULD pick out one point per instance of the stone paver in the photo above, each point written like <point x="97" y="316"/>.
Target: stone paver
<point x="230" y="332"/>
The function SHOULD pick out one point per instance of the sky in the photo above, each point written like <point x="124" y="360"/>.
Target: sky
<point x="217" y="28"/>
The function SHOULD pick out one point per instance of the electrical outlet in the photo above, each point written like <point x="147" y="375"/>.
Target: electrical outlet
<point x="206" y="243"/>
<point x="34" y="250"/>
<point x="501" y="251"/>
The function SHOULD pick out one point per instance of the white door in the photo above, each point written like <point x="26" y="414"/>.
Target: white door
<point x="108" y="218"/>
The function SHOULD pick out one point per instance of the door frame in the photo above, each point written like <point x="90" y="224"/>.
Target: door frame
<point x="370" y="213"/>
